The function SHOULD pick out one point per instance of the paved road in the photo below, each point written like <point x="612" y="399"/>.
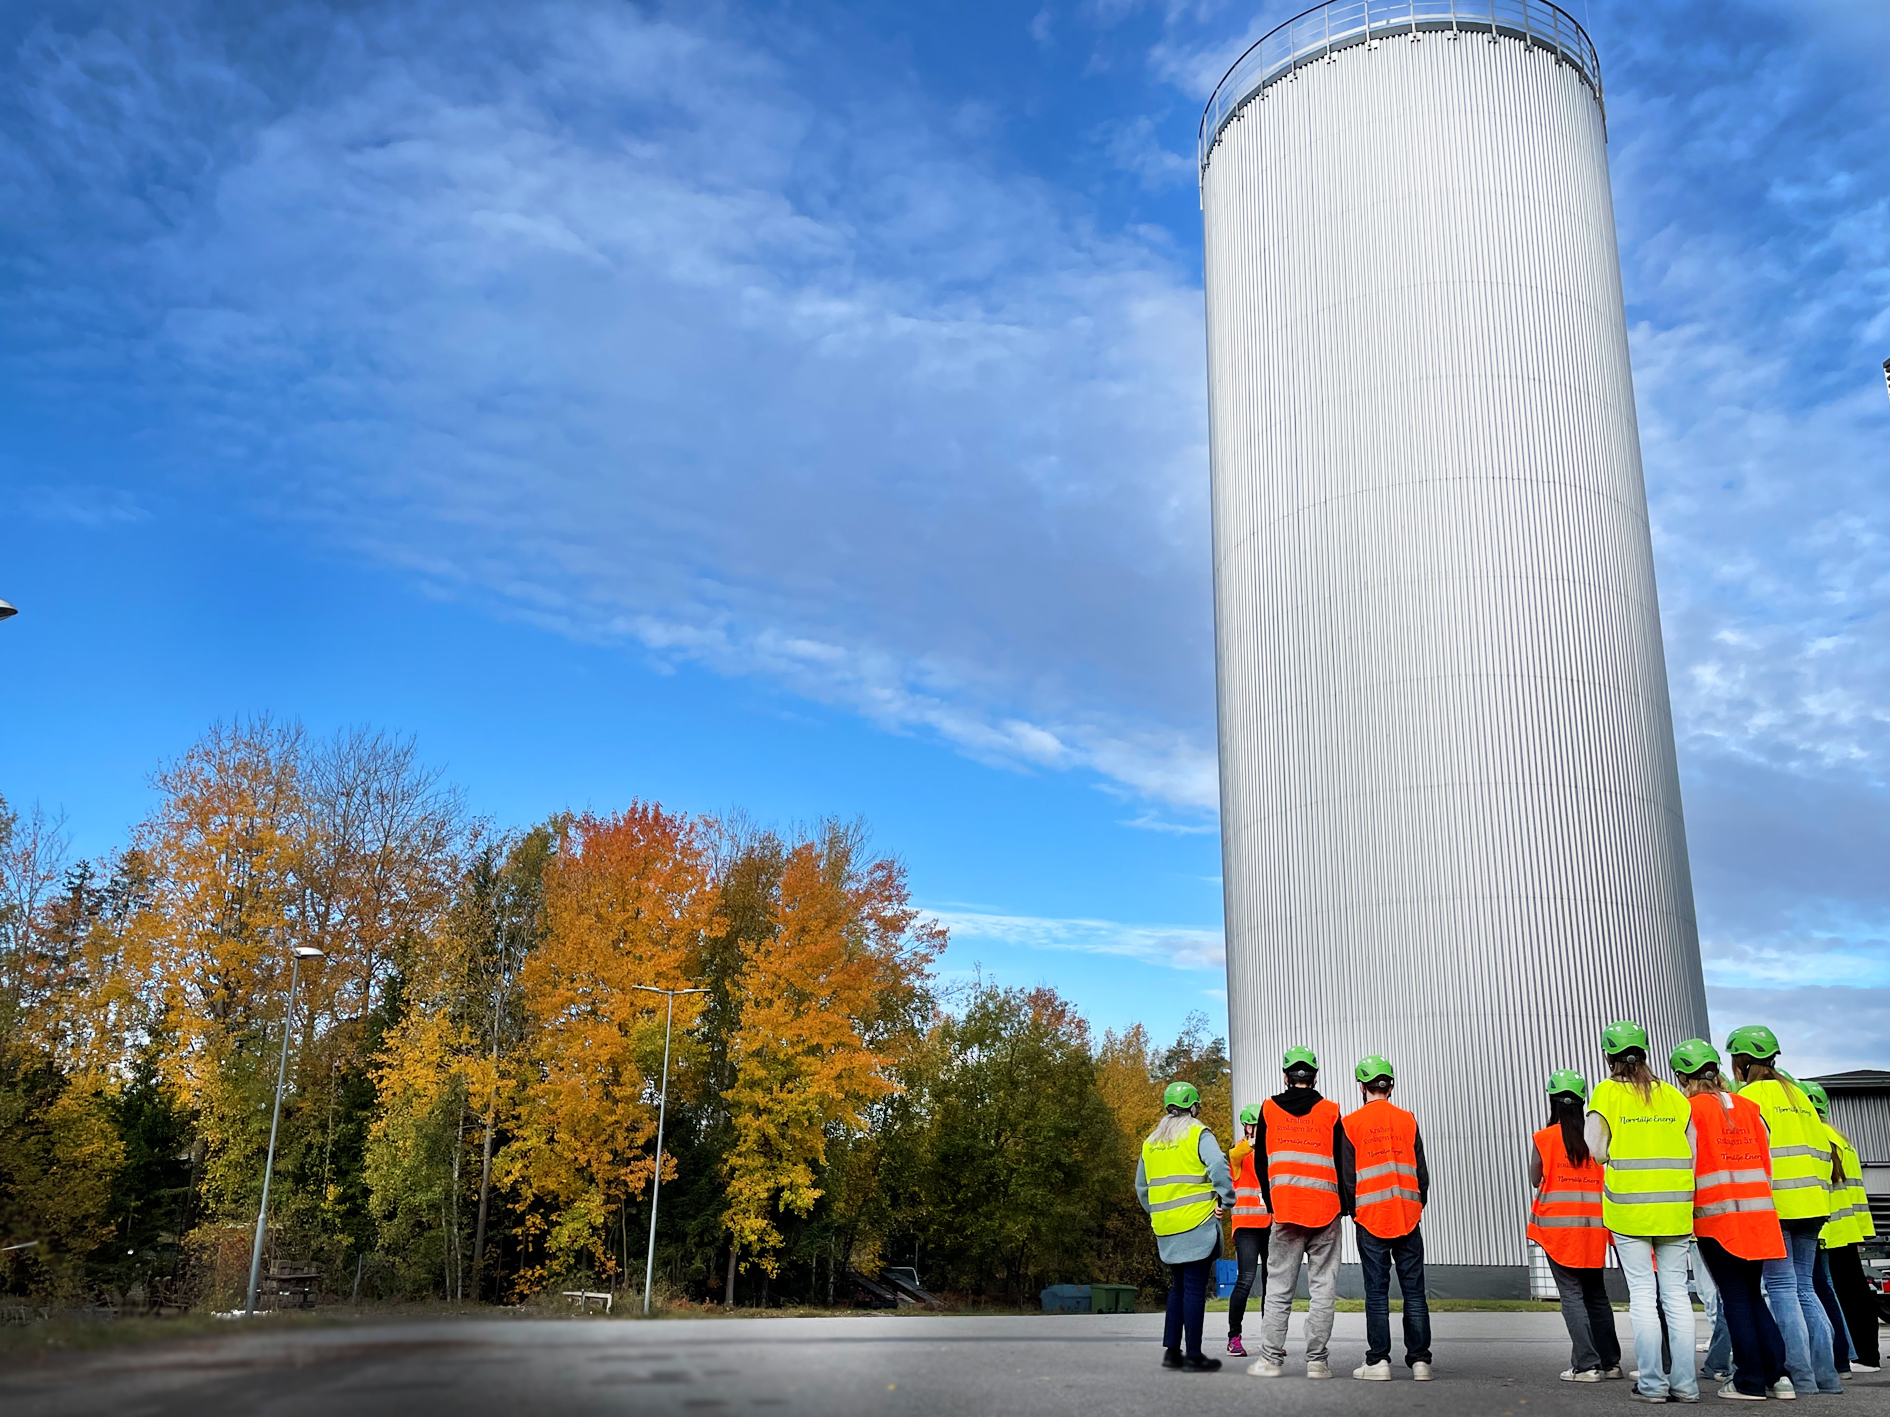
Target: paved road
<point x="1067" y="1366"/>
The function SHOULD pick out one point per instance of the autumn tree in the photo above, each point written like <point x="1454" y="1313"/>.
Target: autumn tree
<point x="628" y="901"/>
<point x="828" y="998"/>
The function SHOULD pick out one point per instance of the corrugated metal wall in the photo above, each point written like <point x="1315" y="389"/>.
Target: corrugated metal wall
<point x="1864" y="1118"/>
<point x="1450" y="811"/>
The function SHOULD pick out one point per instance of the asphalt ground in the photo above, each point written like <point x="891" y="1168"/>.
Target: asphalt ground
<point x="1503" y="1364"/>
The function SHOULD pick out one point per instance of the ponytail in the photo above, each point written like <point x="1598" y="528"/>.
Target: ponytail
<point x="1567" y="1112"/>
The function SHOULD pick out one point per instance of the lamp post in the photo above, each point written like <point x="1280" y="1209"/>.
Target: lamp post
<point x="662" y="1112"/>
<point x="302" y="952"/>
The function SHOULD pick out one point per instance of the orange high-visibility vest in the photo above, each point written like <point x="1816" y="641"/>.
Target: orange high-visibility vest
<point x="1565" y="1218"/>
<point x="1732" y="1177"/>
<point x="1384" y="1138"/>
<point x="1250" y="1202"/>
<point x="1302" y="1172"/>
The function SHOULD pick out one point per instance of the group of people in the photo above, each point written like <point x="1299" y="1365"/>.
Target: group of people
<point x="1740" y="1179"/>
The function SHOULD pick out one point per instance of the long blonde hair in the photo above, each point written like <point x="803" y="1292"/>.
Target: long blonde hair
<point x="1629" y="1067"/>
<point x="1172" y="1127"/>
<point x="1707" y="1079"/>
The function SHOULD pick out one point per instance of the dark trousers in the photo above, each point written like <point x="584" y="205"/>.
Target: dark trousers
<point x="1827" y="1296"/>
<point x="1187" y="1303"/>
<point x="1758" y="1347"/>
<point x="1593" y="1343"/>
<point x="1250" y="1251"/>
<point x="1375" y="1260"/>
<point x="1858" y="1302"/>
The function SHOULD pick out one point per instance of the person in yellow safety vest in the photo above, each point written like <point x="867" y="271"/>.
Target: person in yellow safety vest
<point x="1305" y="1166"/>
<point x="1848" y="1301"/>
<point x="1390" y="1185"/>
<point x="1801" y="1180"/>
<point x="1641" y="1131"/>
<point x="1183" y="1184"/>
<point x="1252" y="1220"/>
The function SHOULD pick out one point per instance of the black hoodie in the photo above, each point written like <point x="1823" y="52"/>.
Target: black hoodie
<point x="1297" y="1102"/>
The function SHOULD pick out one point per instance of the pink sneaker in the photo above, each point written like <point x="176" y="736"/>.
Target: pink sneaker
<point x="1235" y="1347"/>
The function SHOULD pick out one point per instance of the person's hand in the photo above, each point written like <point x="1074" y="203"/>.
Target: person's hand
<point x="1218" y="1212"/>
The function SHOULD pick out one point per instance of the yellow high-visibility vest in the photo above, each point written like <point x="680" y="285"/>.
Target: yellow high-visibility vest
<point x="1180" y="1196"/>
<point x="1850" y="1220"/>
<point x="1801" y="1149"/>
<point x="1647" y="1185"/>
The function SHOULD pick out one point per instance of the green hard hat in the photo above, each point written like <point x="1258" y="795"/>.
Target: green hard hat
<point x="1300" y="1058"/>
<point x="1692" y="1055"/>
<point x="1375" y="1066"/>
<point x="1819" y="1097"/>
<point x="1619" y="1037"/>
<point x="1250" y="1115"/>
<point x="1564" y="1080"/>
<point x="1755" y="1040"/>
<point x="1180" y="1094"/>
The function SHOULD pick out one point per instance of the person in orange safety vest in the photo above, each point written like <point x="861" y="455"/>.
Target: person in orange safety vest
<point x="1566" y="1221"/>
<point x="1305" y="1167"/>
<point x="1251" y="1221"/>
<point x="1391" y="1184"/>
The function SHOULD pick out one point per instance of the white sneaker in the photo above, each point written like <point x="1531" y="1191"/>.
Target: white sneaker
<point x="1420" y="1372"/>
<point x="1379" y="1372"/>
<point x="1264" y="1367"/>
<point x="1703" y="1345"/>
<point x="1318" y="1368"/>
<point x="1733" y="1394"/>
<point x="1783" y="1389"/>
<point x="1857" y="1367"/>
<point x="1581" y="1375"/>
<point x="1613" y="1372"/>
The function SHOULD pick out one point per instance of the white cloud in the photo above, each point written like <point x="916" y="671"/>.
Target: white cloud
<point x="1179" y="947"/>
<point x="622" y="325"/>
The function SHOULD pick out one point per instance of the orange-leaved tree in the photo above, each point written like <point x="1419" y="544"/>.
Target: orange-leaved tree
<point x="627" y="901"/>
<point x="828" y="1000"/>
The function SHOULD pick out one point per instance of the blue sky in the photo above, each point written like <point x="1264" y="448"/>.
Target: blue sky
<point x="801" y="407"/>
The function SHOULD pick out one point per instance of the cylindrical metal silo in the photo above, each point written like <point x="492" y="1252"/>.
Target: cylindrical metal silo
<point x="1450" y="810"/>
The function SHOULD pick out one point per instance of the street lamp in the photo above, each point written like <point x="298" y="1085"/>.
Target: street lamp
<point x="302" y="952"/>
<point x="662" y="1111"/>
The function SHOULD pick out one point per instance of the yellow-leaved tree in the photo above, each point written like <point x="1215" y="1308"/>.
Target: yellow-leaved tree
<point x="828" y="998"/>
<point x="627" y="901"/>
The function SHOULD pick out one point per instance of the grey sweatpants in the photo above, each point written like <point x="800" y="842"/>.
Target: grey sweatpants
<point x="1321" y="1248"/>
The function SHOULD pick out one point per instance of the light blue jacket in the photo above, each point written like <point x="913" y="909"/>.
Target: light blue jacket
<point x="1204" y="1241"/>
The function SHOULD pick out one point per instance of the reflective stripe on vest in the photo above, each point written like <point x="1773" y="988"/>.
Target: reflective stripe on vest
<point x="1179" y="1195"/>
<point x="1850" y="1221"/>
<point x="1565" y="1218"/>
<point x="1250" y="1202"/>
<point x="1732" y="1183"/>
<point x="1384" y="1144"/>
<point x="1647" y="1185"/>
<point x="1302" y="1173"/>
<point x="1801" y="1149"/>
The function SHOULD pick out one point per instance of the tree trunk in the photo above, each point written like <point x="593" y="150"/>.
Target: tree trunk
<point x="485" y="1192"/>
<point x="485" y="1159"/>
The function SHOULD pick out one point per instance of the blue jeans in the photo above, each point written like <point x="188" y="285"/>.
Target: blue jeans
<point x="1719" y="1350"/>
<point x="1656" y="1271"/>
<point x="1375" y="1259"/>
<point x="1755" y="1343"/>
<point x="1833" y="1312"/>
<point x="1187" y="1303"/>
<point x="1790" y="1295"/>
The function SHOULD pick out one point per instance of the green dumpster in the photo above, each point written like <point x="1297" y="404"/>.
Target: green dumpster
<point x="1112" y="1298"/>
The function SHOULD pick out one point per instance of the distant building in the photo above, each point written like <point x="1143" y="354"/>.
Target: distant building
<point x="1860" y="1108"/>
<point x="1450" y="808"/>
